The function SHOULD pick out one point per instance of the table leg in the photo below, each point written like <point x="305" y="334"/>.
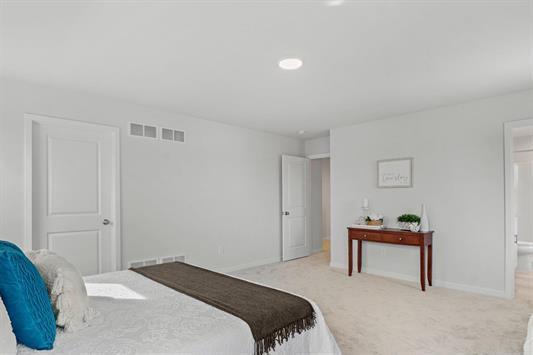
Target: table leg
<point x="430" y="264"/>
<point x="350" y="256"/>
<point x="423" y="267"/>
<point x="359" y="254"/>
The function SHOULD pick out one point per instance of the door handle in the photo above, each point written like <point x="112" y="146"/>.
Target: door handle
<point x="106" y="221"/>
<point x="286" y="213"/>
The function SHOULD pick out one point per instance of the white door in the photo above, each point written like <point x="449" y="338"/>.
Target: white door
<point x="74" y="188"/>
<point x="295" y="207"/>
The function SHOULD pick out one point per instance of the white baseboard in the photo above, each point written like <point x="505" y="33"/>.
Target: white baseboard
<point x="392" y="275"/>
<point x="337" y="265"/>
<point x="472" y="289"/>
<point x="437" y="283"/>
<point x="249" y="265"/>
<point x="317" y="250"/>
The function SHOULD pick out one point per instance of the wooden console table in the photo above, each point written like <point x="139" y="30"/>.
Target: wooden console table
<point x="393" y="236"/>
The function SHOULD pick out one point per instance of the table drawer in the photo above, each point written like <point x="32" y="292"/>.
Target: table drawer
<point x="371" y="236"/>
<point x="401" y="239"/>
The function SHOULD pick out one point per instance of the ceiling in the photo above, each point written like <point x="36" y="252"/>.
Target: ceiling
<point x="217" y="60"/>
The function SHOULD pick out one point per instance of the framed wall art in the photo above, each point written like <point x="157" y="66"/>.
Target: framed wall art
<point x="395" y="173"/>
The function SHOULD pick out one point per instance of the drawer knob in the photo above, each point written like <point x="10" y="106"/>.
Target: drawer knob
<point x="364" y="235"/>
<point x="401" y="239"/>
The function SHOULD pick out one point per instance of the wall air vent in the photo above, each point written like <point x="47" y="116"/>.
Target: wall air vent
<point x="169" y="134"/>
<point x="150" y="131"/>
<point x="136" y="129"/>
<point x="141" y="263"/>
<point x="140" y="130"/>
<point x="135" y="264"/>
<point x="155" y="261"/>
<point x="171" y="259"/>
<point x="179" y="136"/>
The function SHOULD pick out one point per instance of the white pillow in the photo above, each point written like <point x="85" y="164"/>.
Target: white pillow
<point x="8" y="342"/>
<point x="66" y="289"/>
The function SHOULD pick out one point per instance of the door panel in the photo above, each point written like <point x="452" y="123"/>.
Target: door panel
<point x="295" y="206"/>
<point x="74" y="182"/>
<point x="73" y="179"/>
<point x="297" y="232"/>
<point x="296" y="187"/>
<point x="82" y="249"/>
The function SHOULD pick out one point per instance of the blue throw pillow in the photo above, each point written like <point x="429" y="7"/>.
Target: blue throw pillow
<point x="26" y="299"/>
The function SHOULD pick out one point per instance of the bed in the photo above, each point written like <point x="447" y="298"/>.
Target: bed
<point x="528" y="345"/>
<point x="140" y="316"/>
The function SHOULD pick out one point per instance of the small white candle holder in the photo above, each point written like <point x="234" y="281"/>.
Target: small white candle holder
<point x="365" y="204"/>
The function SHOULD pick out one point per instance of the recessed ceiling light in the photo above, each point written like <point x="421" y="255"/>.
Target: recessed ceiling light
<point x="334" y="2"/>
<point x="290" y="63"/>
<point x="301" y="132"/>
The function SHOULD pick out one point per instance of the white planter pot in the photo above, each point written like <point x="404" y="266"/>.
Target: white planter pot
<point x="404" y="225"/>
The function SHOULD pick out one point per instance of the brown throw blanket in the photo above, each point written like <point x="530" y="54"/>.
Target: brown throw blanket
<point x="273" y="315"/>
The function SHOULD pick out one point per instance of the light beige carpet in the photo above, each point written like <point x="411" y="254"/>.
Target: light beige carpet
<point x="369" y="314"/>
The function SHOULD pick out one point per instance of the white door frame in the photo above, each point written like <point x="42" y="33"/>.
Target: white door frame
<point x="509" y="177"/>
<point x="29" y="119"/>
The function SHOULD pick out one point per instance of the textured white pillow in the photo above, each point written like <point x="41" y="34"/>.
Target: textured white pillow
<point x="8" y="342"/>
<point x="66" y="288"/>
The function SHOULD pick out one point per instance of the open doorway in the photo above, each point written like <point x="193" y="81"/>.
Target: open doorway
<point x="320" y="206"/>
<point x="519" y="209"/>
<point x="522" y="209"/>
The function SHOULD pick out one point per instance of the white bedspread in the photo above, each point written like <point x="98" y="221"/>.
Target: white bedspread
<point x="141" y="316"/>
<point x="528" y="345"/>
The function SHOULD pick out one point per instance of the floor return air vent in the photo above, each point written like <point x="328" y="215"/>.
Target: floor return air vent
<point x="155" y="261"/>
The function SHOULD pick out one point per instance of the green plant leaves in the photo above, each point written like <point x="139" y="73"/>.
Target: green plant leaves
<point x="409" y="218"/>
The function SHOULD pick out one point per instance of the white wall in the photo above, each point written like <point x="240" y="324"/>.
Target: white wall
<point x="458" y="174"/>
<point x="220" y="189"/>
<point x="317" y="146"/>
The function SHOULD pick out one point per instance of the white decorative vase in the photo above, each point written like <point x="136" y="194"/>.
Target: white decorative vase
<point x="414" y="227"/>
<point x="424" y="222"/>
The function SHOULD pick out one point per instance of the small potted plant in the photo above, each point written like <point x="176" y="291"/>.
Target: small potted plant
<point x="409" y="222"/>
<point x="374" y="220"/>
